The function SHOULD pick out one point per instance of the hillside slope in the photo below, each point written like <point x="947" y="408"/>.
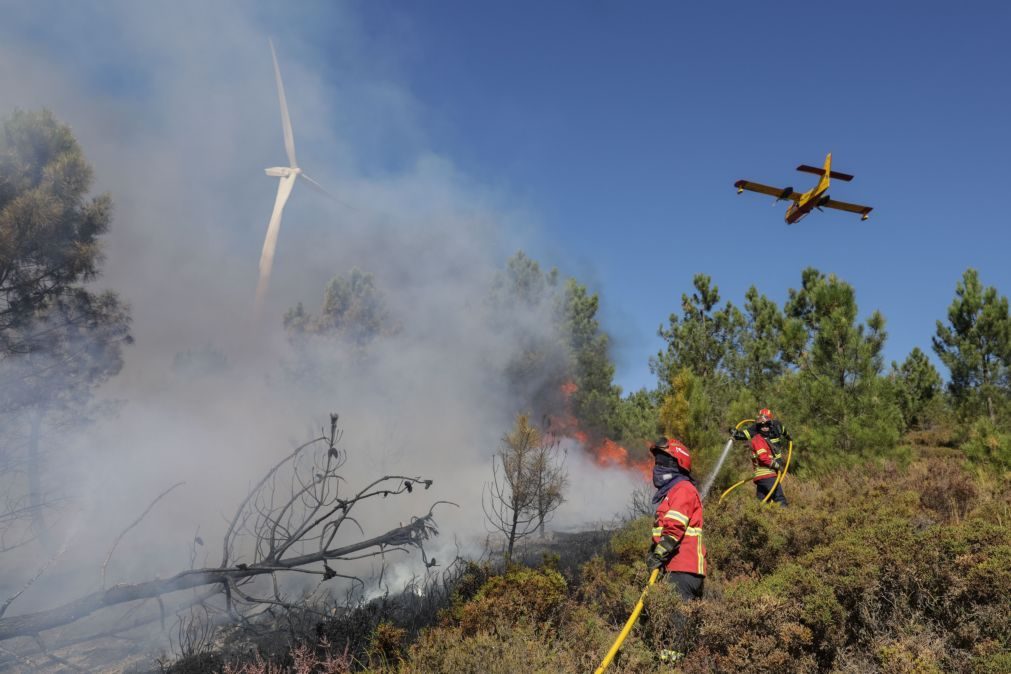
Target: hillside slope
<point x="875" y="568"/>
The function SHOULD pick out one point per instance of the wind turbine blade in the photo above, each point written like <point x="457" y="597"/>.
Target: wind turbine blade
<point x="270" y="242"/>
<point x="289" y="137"/>
<point x="319" y="188"/>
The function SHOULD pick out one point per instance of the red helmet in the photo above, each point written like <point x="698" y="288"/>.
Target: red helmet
<point x="765" y="414"/>
<point x="675" y="449"/>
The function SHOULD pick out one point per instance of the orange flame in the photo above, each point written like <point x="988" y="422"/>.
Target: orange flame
<point x="607" y="453"/>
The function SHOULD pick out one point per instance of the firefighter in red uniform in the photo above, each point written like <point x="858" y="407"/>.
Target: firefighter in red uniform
<point x="767" y="437"/>
<point x="678" y="547"/>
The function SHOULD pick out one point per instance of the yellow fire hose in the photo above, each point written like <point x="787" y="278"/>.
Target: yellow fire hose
<point x="605" y="663"/>
<point x="628" y="625"/>
<point x="779" y="477"/>
<point x="732" y="488"/>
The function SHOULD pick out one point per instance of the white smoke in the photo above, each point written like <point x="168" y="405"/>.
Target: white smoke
<point x="175" y="108"/>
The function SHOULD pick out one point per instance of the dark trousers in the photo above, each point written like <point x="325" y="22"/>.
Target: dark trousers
<point x="763" y="486"/>
<point x="688" y="584"/>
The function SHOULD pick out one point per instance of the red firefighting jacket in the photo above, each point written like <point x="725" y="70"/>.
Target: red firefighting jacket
<point x="761" y="458"/>
<point x="679" y="515"/>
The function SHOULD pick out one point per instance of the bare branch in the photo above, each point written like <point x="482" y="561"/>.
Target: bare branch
<point x="31" y="581"/>
<point x="412" y="534"/>
<point x="255" y="491"/>
<point x="137" y="521"/>
<point x="292" y="532"/>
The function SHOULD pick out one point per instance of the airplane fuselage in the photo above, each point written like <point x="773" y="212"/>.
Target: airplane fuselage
<point x="808" y="202"/>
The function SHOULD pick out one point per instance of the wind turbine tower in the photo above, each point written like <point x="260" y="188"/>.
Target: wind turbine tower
<point x="287" y="174"/>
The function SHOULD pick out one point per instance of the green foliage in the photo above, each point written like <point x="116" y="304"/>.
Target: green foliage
<point x="510" y="624"/>
<point x="353" y="311"/>
<point x="523" y="283"/>
<point x="59" y="339"/>
<point x="512" y="649"/>
<point x="596" y="398"/>
<point x="759" y="362"/>
<point x="701" y="338"/>
<point x="693" y="371"/>
<point x="988" y="444"/>
<point x="526" y="303"/>
<point x="918" y="387"/>
<point x="686" y="411"/>
<point x="562" y="345"/>
<point x="48" y="229"/>
<point x="813" y="362"/>
<point x="874" y="567"/>
<point x="975" y="345"/>
<point x="636" y="419"/>
<point x="837" y="403"/>
<point x="387" y="643"/>
<point x="521" y="595"/>
<point x="69" y="337"/>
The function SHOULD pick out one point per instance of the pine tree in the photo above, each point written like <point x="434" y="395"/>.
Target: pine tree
<point x="560" y="341"/>
<point x="976" y="347"/>
<point x="528" y="484"/>
<point x="353" y="310"/>
<point x="58" y="339"/>
<point x="596" y="398"/>
<point x="703" y="347"/>
<point x="701" y="339"/>
<point x="918" y="386"/>
<point x="837" y="394"/>
<point x="758" y="363"/>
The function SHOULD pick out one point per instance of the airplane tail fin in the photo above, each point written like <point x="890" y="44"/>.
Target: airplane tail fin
<point x="826" y="170"/>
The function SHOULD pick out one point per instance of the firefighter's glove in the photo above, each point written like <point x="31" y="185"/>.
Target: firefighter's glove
<point x="661" y="552"/>
<point x="738" y="434"/>
<point x="777" y="464"/>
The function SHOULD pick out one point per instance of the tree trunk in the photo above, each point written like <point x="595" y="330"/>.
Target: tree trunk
<point x="35" y="497"/>
<point x="31" y="624"/>
<point x="512" y="535"/>
<point x="988" y="395"/>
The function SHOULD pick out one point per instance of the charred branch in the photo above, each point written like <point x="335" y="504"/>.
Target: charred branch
<point x="30" y="624"/>
<point x="290" y="523"/>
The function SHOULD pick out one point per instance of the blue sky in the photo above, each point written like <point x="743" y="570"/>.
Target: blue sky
<point x="619" y="129"/>
<point x="623" y="126"/>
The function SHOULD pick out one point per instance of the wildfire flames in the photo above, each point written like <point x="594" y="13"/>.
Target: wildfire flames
<point x="606" y="453"/>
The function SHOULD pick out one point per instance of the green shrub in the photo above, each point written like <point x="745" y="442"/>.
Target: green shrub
<point x="998" y="663"/>
<point x="879" y="566"/>
<point x="510" y="650"/>
<point x="521" y="596"/>
<point x="988" y="444"/>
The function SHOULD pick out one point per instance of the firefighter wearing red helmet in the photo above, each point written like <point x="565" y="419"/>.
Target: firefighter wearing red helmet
<point x="677" y="547"/>
<point x="768" y="438"/>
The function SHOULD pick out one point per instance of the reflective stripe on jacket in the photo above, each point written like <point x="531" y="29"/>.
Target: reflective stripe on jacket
<point x="761" y="458"/>
<point x="679" y="515"/>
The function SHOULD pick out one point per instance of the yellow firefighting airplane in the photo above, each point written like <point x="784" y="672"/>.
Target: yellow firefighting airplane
<point x="805" y="202"/>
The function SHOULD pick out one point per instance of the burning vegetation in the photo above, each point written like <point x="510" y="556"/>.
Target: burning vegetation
<point x="606" y="453"/>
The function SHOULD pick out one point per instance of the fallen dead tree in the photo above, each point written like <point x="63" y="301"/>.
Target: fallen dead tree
<point x="289" y="533"/>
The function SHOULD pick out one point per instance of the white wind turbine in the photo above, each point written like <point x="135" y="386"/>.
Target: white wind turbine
<point x="287" y="174"/>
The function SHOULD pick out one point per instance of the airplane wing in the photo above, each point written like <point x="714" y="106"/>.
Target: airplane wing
<point x="845" y="177"/>
<point x="778" y="192"/>
<point x="852" y="208"/>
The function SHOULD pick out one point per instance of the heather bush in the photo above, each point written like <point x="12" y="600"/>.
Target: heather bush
<point x="880" y="566"/>
<point x="520" y="596"/>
